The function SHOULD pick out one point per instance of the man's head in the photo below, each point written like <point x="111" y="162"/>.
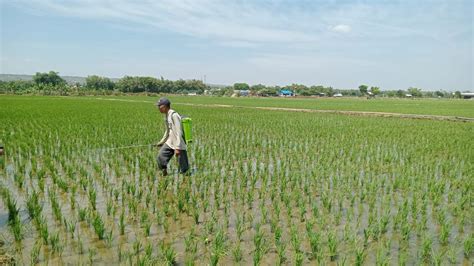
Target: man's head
<point x="164" y="105"/>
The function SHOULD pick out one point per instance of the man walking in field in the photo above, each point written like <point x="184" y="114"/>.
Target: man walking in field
<point x="172" y="142"/>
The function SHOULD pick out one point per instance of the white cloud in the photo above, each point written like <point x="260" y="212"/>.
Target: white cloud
<point x="342" y="28"/>
<point x="237" y="22"/>
<point x="227" y="22"/>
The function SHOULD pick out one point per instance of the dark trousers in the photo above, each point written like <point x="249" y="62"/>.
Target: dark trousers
<point x="165" y="155"/>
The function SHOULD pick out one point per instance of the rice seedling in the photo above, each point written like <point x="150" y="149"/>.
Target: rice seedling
<point x="16" y="228"/>
<point x="13" y="210"/>
<point x="110" y="207"/>
<point x="239" y="227"/>
<point x="92" y="197"/>
<point x="237" y="252"/>
<point x="314" y="241"/>
<point x="70" y="226"/>
<point x="261" y="246"/>
<point x="426" y="246"/>
<point x="406" y="229"/>
<point x="451" y="255"/>
<point x="218" y="247"/>
<point x="190" y="243"/>
<point x="360" y="254"/>
<point x="122" y="223"/>
<point x="281" y="251"/>
<point x="342" y="261"/>
<point x="56" y="245"/>
<point x="381" y="258"/>
<point x="35" y="253"/>
<point x="91" y="254"/>
<point x="33" y="206"/>
<point x="147" y="228"/>
<point x="468" y="245"/>
<point x="55" y="206"/>
<point x="437" y="257"/>
<point x="82" y="214"/>
<point x="137" y="246"/>
<point x="299" y="257"/>
<point x="148" y="251"/>
<point x="99" y="226"/>
<point x="444" y="233"/>
<point x="120" y="254"/>
<point x="19" y="180"/>
<point x="332" y="245"/>
<point x="109" y="237"/>
<point x="295" y="239"/>
<point x="43" y="230"/>
<point x="169" y="254"/>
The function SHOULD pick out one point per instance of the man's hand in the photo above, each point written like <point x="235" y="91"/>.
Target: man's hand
<point x="177" y="152"/>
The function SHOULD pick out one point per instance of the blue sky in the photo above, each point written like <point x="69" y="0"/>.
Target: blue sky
<point x="390" y="44"/>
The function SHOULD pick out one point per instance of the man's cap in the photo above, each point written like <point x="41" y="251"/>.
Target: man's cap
<point x="163" y="101"/>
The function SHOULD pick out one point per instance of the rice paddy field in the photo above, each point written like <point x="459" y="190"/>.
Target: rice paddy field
<point x="268" y="187"/>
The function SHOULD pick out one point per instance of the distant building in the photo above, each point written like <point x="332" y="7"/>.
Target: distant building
<point x="408" y="95"/>
<point x="337" y="95"/>
<point x="286" y="93"/>
<point x="244" y="92"/>
<point x="467" y="95"/>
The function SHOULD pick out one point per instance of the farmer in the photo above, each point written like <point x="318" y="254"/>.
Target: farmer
<point x="172" y="142"/>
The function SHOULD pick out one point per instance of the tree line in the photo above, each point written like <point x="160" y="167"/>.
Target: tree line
<point x="52" y="83"/>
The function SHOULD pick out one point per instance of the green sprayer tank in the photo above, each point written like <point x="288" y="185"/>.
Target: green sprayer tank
<point x="187" y="129"/>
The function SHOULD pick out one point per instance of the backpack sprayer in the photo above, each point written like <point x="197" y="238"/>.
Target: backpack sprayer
<point x="186" y="124"/>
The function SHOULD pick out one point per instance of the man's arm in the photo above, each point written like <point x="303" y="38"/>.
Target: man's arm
<point x="165" y="136"/>
<point x="163" y="139"/>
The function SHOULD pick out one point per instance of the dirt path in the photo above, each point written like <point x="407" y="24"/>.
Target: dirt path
<point x="356" y="113"/>
<point x="343" y="112"/>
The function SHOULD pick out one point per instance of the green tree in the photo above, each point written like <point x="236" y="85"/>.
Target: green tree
<point x="143" y="84"/>
<point x="165" y="85"/>
<point x="241" y="86"/>
<point x="439" y="94"/>
<point x="391" y="93"/>
<point x="196" y="86"/>
<point x="363" y="89"/>
<point x="255" y="89"/>
<point x="51" y="78"/>
<point x="375" y="90"/>
<point x="17" y="86"/>
<point x="179" y="86"/>
<point x="415" y="92"/>
<point x="99" y="83"/>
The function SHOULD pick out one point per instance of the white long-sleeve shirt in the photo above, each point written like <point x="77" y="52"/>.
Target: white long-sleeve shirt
<point x="173" y="136"/>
